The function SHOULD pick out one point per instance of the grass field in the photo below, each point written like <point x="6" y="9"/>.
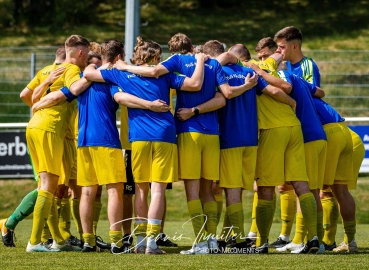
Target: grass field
<point x="182" y="234"/>
<point x="17" y="258"/>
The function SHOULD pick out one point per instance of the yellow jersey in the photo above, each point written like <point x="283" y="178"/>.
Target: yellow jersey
<point x="272" y="113"/>
<point x="57" y="118"/>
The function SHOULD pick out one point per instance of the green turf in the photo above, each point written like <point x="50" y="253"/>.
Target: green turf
<point x="17" y="258"/>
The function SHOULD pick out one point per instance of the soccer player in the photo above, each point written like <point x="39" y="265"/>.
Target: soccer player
<point x="26" y="206"/>
<point x="238" y="140"/>
<point x="154" y="144"/>
<point x="198" y="141"/>
<point x="45" y="134"/>
<point x="338" y="170"/>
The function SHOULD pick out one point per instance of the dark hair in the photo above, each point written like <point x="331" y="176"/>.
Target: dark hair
<point x="145" y="51"/>
<point x="213" y="48"/>
<point x="266" y="42"/>
<point x="289" y="33"/>
<point x="180" y="43"/>
<point x="75" y="41"/>
<point x="111" y="49"/>
<point x="241" y="52"/>
<point x="91" y="55"/>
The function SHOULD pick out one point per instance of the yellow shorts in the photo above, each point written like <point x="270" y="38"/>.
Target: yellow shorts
<point x="338" y="166"/>
<point x="69" y="161"/>
<point x="46" y="149"/>
<point x="315" y="156"/>
<point x="280" y="156"/>
<point x="154" y="162"/>
<point x="100" y="166"/>
<point x="357" y="158"/>
<point x="198" y="156"/>
<point x="237" y="167"/>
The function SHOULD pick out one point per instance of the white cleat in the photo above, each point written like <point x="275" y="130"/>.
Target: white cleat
<point x="290" y="247"/>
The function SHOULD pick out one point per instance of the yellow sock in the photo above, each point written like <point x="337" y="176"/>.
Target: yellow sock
<point x="211" y="212"/>
<point x="197" y="217"/>
<point x="116" y="237"/>
<point x="349" y="230"/>
<point x="53" y="223"/>
<point x="288" y="209"/>
<point x="254" y="228"/>
<point x="40" y="215"/>
<point x="330" y="218"/>
<point x="64" y="216"/>
<point x="319" y="226"/>
<point x="89" y="238"/>
<point x="226" y="230"/>
<point x="300" y="230"/>
<point x="97" y="211"/>
<point x="153" y="230"/>
<point x="45" y="233"/>
<point x="219" y="200"/>
<point x="235" y="214"/>
<point x="140" y="232"/>
<point x="264" y="219"/>
<point x="308" y="210"/>
<point x="74" y="206"/>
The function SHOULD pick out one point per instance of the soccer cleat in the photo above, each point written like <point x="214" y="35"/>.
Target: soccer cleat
<point x="49" y="242"/>
<point x="241" y="248"/>
<point x="140" y="250"/>
<point x="200" y="248"/>
<point x="8" y="236"/>
<point x="40" y="247"/>
<point x="262" y="249"/>
<point x="101" y="244"/>
<point x="157" y="251"/>
<point x="164" y="241"/>
<point x="88" y="248"/>
<point x="330" y="247"/>
<point x="290" y="247"/>
<point x="213" y="245"/>
<point x="279" y="243"/>
<point x="119" y="250"/>
<point x="64" y="247"/>
<point x="321" y="249"/>
<point x="250" y="241"/>
<point x="311" y="246"/>
<point x="128" y="239"/>
<point x="74" y="241"/>
<point x="346" y="248"/>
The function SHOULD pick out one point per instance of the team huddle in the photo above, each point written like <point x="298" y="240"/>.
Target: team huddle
<point x="238" y="124"/>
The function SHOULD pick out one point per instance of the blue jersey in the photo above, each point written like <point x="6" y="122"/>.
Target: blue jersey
<point x="309" y="71"/>
<point x="146" y="125"/>
<point x="214" y="76"/>
<point x="238" y="119"/>
<point x="96" y="116"/>
<point x="311" y="126"/>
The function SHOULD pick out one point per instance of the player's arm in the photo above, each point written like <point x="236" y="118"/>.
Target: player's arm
<point x="279" y="95"/>
<point x="217" y="102"/>
<point x="92" y="74"/>
<point x="277" y="82"/>
<point x="195" y="82"/>
<point x="49" y="100"/>
<point x="319" y="92"/>
<point x="145" y="71"/>
<point x="132" y="101"/>
<point x="53" y="76"/>
<point x="26" y="96"/>
<point x="278" y="57"/>
<point x="227" y="58"/>
<point x="234" y="91"/>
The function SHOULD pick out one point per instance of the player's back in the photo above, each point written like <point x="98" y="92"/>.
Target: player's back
<point x="97" y="117"/>
<point x="306" y="112"/>
<point x="213" y="77"/>
<point x="238" y="118"/>
<point x="56" y="118"/>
